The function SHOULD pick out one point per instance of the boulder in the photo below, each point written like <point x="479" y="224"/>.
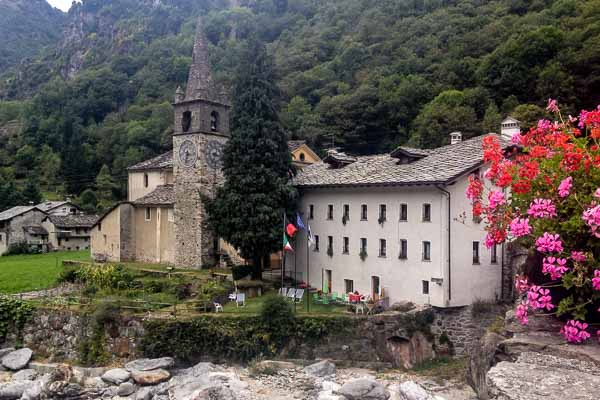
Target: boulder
<point x="116" y="376"/>
<point x="13" y="390"/>
<point x="410" y="390"/>
<point x="275" y="365"/>
<point x="146" y="364"/>
<point x="214" y="393"/>
<point x="144" y="393"/>
<point x="320" y="369"/>
<point x="482" y="358"/>
<point x="537" y="376"/>
<point x="18" y="359"/>
<point x="363" y="389"/>
<point x="5" y="351"/>
<point x="25" y="375"/>
<point x="125" y="389"/>
<point x="402" y="306"/>
<point x="153" y="377"/>
<point x="202" y="380"/>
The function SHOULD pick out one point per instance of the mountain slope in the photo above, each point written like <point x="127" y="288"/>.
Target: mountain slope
<point x="26" y="26"/>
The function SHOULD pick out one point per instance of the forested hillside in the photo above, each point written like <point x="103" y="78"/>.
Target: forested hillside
<point x="26" y="26"/>
<point x="365" y="75"/>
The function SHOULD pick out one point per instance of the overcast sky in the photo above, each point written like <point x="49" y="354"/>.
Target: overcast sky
<point x="61" y="4"/>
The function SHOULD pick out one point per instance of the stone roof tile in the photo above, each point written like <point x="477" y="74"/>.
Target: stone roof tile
<point x="163" y="161"/>
<point x="162" y="195"/>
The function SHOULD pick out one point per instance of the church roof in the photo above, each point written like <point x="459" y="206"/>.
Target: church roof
<point x="163" y="195"/>
<point x="200" y="84"/>
<point x="435" y="166"/>
<point x="163" y="161"/>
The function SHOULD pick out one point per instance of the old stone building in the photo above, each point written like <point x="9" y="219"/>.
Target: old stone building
<point x="68" y="232"/>
<point x="22" y="224"/>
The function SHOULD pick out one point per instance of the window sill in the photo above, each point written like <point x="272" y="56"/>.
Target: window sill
<point x="345" y="253"/>
<point x="476" y="263"/>
<point x="403" y="220"/>
<point x="402" y="258"/>
<point x="427" y="261"/>
<point x="429" y="221"/>
<point x="381" y="256"/>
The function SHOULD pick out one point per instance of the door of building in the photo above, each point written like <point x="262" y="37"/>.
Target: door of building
<point x="327" y="281"/>
<point x="375" y="287"/>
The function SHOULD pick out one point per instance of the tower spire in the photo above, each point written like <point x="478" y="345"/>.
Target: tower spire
<point x="200" y="82"/>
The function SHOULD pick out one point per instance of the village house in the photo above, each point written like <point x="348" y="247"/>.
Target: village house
<point x="59" y="207"/>
<point x="302" y="155"/>
<point x="22" y="225"/>
<point x="68" y="232"/>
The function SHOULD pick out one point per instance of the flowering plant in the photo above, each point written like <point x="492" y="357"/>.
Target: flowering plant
<point x="546" y="197"/>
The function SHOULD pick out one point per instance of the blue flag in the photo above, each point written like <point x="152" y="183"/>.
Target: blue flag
<point x="299" y="222"/>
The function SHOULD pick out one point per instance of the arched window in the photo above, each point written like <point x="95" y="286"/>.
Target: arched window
<point x="214" y="121"/>
<point x="302" y="157"/>
<point x="186" y="121"/>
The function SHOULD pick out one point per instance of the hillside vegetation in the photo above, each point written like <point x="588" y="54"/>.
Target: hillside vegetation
<point x="364" y="75"/>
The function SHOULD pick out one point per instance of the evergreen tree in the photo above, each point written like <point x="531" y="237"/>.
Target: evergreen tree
<point x="492" y="119"/>
<point x="31" y="192"/>
<point x="105" y="187"/>
<point x="88" y="201"/>
<point x="247" y="211"/>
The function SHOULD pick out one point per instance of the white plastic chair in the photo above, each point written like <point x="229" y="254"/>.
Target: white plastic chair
<point x="240" y="300"/>
<point x="299" y="295"/>
<point x="218" y="307"/>
<point x="291" y="294"/>
<point x="232" y="296"/>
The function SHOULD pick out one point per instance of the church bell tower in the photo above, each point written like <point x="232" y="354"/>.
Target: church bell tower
<point x="201" y="131"/>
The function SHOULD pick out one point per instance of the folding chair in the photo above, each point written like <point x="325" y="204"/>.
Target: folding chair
<point x="299" y="295"/>
<point x="291" y="294"/>
<point x="283" y="291"/>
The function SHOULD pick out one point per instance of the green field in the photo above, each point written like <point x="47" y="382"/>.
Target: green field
<point x="35" y="271"/>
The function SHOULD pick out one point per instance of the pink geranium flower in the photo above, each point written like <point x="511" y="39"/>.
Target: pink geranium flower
<point x="575" y="331"/>
<point x="596" y="280"/>
<point x="521" y="284"/>
<point x="564" y="189"/>
<point x="591" y="216"/>
<point x="552" y="106"/>
<point x="520" y="227"/>
<point x="597" y="193"/>
<point x="496" y="199"/>
<point x="548" y="243"/>
<point x="578" y="256"/>
<point x="522" y="314"/>
<point x="542" y="208"/>
<point x="555" y="267"/>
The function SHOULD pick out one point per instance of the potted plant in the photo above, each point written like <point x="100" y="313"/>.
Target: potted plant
<point x="363" y="254"/>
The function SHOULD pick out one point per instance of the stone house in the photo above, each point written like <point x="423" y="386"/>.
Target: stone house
<point x="59" y="207"/>
<point x="68" y="232"/>
<point x="21" y="224"/>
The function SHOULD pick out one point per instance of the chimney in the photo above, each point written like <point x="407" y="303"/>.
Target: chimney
<point x="510" y="127"/>
<point x="455" y="137"/>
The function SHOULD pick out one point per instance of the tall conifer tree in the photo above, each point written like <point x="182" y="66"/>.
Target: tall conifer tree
<point x="247" y="210"/>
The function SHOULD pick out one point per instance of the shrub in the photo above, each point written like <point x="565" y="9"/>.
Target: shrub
<point x="241" y="271"/>
<point x="68" y="275"/>
<point x="482" y="307"/>
<point x="213" y="291"/>
<point x="553" y="177"/>
<point x="183" y="291"/>
<point x="14" y="314"/>
<point x="20" y="248"/>
<point x="277" y="318"/>
<point x="106" y="276"/>
<point x="92" y="349"/>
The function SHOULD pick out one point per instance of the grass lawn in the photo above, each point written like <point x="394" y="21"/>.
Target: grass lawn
<point x="254" y="305"/>
<point x="34" y="271"/>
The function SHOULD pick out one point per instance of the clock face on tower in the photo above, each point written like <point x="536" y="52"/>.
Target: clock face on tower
<point x="214" y="153"/>
<point x="188" y="154"/>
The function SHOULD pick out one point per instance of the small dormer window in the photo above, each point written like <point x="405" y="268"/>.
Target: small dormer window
<point x="302" y="157"/>
<point x="186" y="121"/>
<point x="214" y="121"/>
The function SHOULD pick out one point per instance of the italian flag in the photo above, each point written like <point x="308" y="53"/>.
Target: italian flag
<point x="286" y="244"/>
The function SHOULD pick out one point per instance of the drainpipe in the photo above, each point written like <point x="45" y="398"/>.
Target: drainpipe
<point x="449" y="196"/>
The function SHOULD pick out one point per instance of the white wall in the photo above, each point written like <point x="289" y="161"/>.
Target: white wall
<point x="136" y="185"/>
<point x="401" y="279"/>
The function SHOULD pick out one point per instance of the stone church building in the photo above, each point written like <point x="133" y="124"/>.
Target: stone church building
<point x="163" y="219"/>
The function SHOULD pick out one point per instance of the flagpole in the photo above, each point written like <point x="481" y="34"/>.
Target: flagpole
<point x="295" y="267"/>
<point x="307" y="272"/>
<point x="283" y="253"/>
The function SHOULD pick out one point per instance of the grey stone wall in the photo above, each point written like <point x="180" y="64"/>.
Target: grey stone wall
<point x="463" y="327"/>
<point x="127" y="233"/>
<point x="14" y="230"/>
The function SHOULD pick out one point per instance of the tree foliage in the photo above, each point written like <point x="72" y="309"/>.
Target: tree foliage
<point x="247" y="211"/>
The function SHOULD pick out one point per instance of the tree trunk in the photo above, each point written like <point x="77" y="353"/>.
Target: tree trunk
<point x="257" y="268"/>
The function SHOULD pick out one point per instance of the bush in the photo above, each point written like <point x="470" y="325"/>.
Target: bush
<point x="20" y="248"/>
<point x="277" y="318"/>
<point x="68" y="275"/>
<point x="14" y="314"/>
<point x="106" y="276"/>
<point x="213" y="291"/>
<point x="241" y="271"/>
<point x="183" y="291"/>
<point x="482" y="307"/>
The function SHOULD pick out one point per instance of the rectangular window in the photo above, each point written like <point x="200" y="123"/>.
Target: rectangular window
<point x="311" y="211"/>
<point x="475" y="252"/>
<point x="426" y="212"/>
<point x="346" y="247"/>
<point x="363" y="245"/>
<point x="349" y="285"/>
<point x="346" y="215"/>
<point x="330" y="211"/>
<point x="148" y="214"/>
<point x="170" y="215"/>
<point x="426" y="251"/>
<point x="382" y="248"/>
<point x="403" y="249"/>
<point x="403" y="212"/>
<point x="382" y="213"/>
<point x="316" y="242"/>
<point x="495" y="254"/>
<point x="363" y="212"/>
<point x="330" y="244"/>
<point x="425" y="287"/>
<point x="99" y="227"/>
<point x="145" y="180"/>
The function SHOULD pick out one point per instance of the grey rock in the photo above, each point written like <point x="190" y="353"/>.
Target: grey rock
<point x="320" y="369"/>
<point x="18" y="359"/>
<point x="413" y="391"/>
<point x="480" y="361"/>
<point x="214" y="393"/>
<point x="202" y="380"/>
<point x="363" y="389"/>
<point x="25" y="375"/>
<point x="146" y="364"/>
<point x="275" y="365"/>
<point x="153" y="377"/>
<point x="144" y="393"/>
<point x="13" y="390"/>
<point x="537" y="376"/>
<point x="125" y="389"/>
<point x="116" y="376"/>
<point x="5" y="351"/>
